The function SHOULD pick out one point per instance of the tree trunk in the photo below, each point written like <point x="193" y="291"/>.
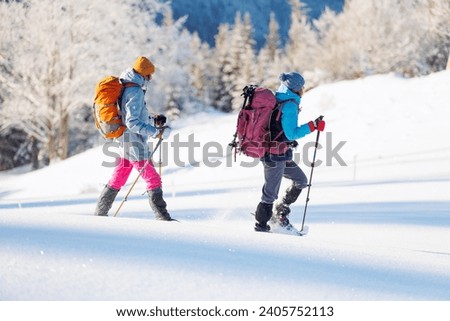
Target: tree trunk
<point x="448" y="60"/>
<point x="50" y="153"/>
<point x="34" y="153"/>
<point x="63" y="149"/>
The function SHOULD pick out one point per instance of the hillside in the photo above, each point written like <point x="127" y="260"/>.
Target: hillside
<point x="378" y="226"/>
<point x="204" y="16"/>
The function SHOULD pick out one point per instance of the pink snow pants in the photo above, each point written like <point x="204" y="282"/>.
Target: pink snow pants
<point x="123" y="169"/>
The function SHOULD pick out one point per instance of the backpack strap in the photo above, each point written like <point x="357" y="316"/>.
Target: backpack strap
<point x="125" y="86"/>
<point x="278" y="108"/>
<point x="130" y="84"/>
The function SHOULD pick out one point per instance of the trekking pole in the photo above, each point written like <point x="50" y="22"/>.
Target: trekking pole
<point x="160" y="120"/>
<point x="140" y="172"/>
<point x="160" y="162"/>
<point x="310" y="176"/>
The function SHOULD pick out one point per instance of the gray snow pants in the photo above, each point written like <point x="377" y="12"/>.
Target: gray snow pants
<point x="274" y="171"/>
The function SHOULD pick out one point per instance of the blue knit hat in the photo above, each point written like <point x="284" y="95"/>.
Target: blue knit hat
<point x="292" y="80"/>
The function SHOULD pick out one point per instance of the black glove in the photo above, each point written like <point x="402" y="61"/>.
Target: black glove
<point x="159" y="119"/>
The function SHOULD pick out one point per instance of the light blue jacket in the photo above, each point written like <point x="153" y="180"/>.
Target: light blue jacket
<point x="289" y="114"/>
<point x="135" y="117"/>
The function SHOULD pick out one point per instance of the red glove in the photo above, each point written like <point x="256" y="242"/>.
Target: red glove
<point x="317" y="124"/>
<point x="320" y="125"/>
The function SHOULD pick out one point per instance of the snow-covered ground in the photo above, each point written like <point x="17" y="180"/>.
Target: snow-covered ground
<point x="379" y="224"/>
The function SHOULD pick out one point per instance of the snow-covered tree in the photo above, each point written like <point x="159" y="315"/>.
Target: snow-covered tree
<point x="243" y="60"/>
<point x="438" y="13"/>
<point x="273" y="39"/>
<point x="248" y="69"/>
<point x="270" y="57"/>
<point x="171" y="85"/>
<point x="223" y="70"/>
<point x="55" y="52"/>
<point x="302" y="43"/>
<point x="235" y="63"/>
<point x="379" y="36"/>
<point x="201" y="69"/>
<point x="15" y="148"/>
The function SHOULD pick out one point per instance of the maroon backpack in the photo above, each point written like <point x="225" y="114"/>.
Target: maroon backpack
<point x="260" y="112"/>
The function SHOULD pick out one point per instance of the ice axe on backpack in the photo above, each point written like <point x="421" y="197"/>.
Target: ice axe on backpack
<point x="247" y="92"/>
<point x="311" y="174"/>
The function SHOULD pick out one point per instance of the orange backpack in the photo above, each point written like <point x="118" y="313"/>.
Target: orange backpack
<point x="108" y="119"/>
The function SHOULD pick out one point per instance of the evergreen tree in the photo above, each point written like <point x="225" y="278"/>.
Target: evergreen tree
<point x="242" y="57"/>
<point x="273" y="39"/>
<point x="236" y="50"/>
<point x="302" y="43"/>
<point x="198" y="69"/>
<point x="223" y="71"/>
<point x="371" y="37"/>
<point x="269" y="57"/>
<point x="172" y="81"/>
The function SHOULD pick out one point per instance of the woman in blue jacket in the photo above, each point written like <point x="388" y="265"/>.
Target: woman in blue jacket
<point x="278" y="166"/>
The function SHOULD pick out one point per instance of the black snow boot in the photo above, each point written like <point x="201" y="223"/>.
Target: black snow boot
<point x="158" y="205"/>
<point x="105" y="201"/>
<point x="292" y="194"/>
<point x="262" y="215"/>
<point x="282" y="210"/>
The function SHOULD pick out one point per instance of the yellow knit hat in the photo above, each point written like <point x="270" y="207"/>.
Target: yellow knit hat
<point x="144" y="66"/>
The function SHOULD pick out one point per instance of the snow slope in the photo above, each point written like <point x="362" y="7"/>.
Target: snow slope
<point x="379" y="226"/>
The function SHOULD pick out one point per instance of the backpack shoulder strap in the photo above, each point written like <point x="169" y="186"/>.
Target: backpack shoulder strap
<point x="125" y="86"/>
<point x="276" y="129"/>
<point x="280" y="104"/>
<point x="130" y="84"/>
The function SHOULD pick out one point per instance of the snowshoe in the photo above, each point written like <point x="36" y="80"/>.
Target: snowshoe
<point x="280" y="224"/>
<point x="262" y="228"/>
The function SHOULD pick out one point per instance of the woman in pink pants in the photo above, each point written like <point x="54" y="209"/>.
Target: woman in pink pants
<point x="133" y="142"/>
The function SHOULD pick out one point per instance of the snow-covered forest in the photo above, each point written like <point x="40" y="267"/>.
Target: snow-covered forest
<point x="52" y="53"/>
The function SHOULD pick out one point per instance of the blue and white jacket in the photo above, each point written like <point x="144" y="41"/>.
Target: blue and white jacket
<point x="135" y="116"/>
